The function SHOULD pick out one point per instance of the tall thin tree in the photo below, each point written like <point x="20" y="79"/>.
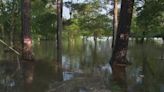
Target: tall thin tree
<point x="12" y="29"/>
<point x="115" y="21"/>
<point x="26" y="27"/>
<point x="59" y="36"/>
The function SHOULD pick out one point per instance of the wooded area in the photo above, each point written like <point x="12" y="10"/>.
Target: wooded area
<point x="75" y="24"/>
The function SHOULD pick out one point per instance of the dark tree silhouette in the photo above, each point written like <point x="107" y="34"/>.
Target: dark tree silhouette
<point x="26" y="27"/>
<point x="59" y="34"/>
<point x="121" y="46"/>
<point x="118" y="59"/>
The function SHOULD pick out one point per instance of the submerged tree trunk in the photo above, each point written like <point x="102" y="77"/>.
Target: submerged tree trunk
<point x="118" y="59"/>
<point x="119" y="77"/>
<point x="142" y="38"/>
<point x="59" y="35"/>
<point x="115" y="22"/>
<point x="27" y="40"/>
<point x="95" y="39"/>
<point x="94" y="52"/>
<point x="28" y="75"/>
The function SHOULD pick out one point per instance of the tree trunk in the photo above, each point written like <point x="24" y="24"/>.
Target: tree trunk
<point x="94" y="54"/>
<point x="2" y="31"/>
<point x="71" y="10"/>
<point x="121" y="46"/>
<point x="2" y="25"/>
<point x="115" y="22"/>
<point x="27" y="40"/>
<point x="13" y="20"/>
<point x="95" y="39"/>
<point x="119" y="77"/>
<point x="59" y="35"/>
<point x="118" y="60"/>
<point x="142" y="38"/>
<point x="28" y="75"/>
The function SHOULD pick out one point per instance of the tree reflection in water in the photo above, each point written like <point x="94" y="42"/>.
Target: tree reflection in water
<point x="10" y="78"/>
<point x="28" y="75"/>
<point x="84" y="61"/>
<point x="58" y="71"/>
<point x="119" y="77"/>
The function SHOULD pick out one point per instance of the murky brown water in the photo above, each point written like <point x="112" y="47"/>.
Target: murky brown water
<point x="85" y="68"/>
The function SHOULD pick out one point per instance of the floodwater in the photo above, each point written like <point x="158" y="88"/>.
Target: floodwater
<point x="85" y="68"/>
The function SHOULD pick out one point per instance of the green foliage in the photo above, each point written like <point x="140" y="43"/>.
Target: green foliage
<point x="135" y="30"/>
<point x="73" y="28"/>
<point x="88" y="19"/>
<point x="43" y="19"/>
<point x="10" y="17"/>
<point x="150" y="17"/>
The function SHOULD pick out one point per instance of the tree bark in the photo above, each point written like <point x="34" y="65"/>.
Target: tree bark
<point x="95" y="39"/>
<point x="121" y="46"/>
<point x="118" y="59"/>
<point x="28" y="75"/>
<point x="115" y="22"/>
<point x="119" y="77"/>
<point x="13" y="20"/>
<point x="2" y="25"/>
<point x="59" y="35"/>
<point x="2" y="31"/>
<point x="27" y="40"/>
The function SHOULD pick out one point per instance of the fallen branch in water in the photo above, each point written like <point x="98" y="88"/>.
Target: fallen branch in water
<point x="15" y="51"/>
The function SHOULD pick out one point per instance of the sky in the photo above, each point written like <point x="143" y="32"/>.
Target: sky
<point x="66" y="13"/>
<point x="66" y="10"/>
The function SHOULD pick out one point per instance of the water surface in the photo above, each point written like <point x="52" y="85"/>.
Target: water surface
<point x="85" y="68"/>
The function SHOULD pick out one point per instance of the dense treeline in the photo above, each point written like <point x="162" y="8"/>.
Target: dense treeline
<point x="88" y="18"/>
<point x="25" y="21"/>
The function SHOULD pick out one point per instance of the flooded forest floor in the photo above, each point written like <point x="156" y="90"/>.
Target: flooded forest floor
<point x="81" y="84"/>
